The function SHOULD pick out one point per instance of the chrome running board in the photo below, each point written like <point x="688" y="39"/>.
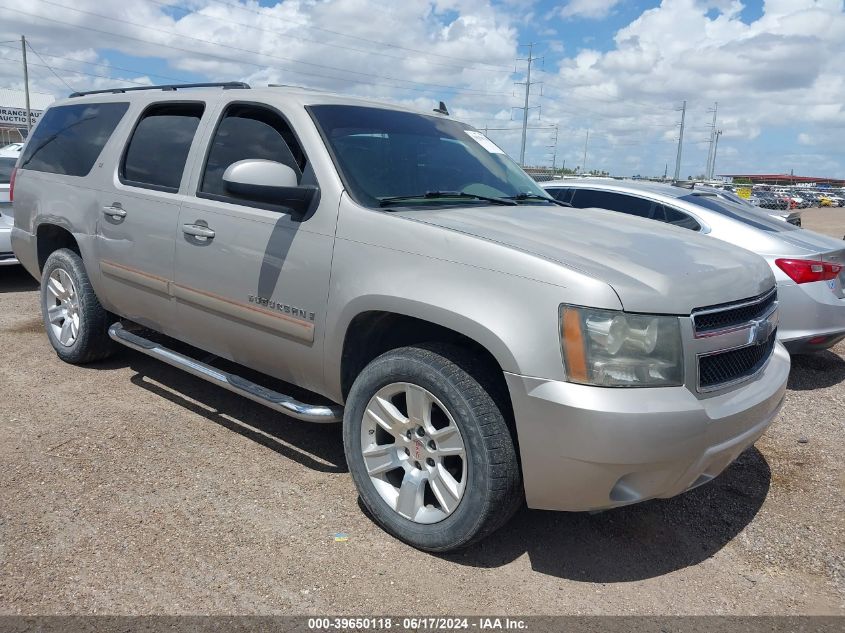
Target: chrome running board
<point x="241" y="386"/>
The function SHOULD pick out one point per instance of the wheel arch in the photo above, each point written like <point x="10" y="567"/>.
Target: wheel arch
<point x="50" y="237"/>
<point x="372" y="332"/>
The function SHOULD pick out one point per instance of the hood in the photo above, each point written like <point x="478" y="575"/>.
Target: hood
<point x="653" y="268"/>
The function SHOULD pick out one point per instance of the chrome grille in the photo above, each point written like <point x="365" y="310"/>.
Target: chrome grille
<point x="736" y="314"/>
<point x="722" y="368"/>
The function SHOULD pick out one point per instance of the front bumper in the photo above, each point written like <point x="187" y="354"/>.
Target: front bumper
<point x="812" y="317"/>
<point x="590" y="448"/>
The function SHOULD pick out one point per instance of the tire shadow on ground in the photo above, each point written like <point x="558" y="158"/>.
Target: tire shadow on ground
<point x="16" y="279"/>
<point x="315" y="446"/>
<point x="634" y="542"/>
<point x="816" y="371"/>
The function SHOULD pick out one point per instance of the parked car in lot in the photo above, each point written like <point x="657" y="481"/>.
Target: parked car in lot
<point x="480" y="342"/>
<point x="768" y="200"/>
<point x="808" y="266"/>
<point x="8" y="158"/>
<point x="830" y="200"/>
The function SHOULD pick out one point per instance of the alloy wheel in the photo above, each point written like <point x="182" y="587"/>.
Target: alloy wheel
<point x="62" y="307"/>
<point x="414" y="452"/>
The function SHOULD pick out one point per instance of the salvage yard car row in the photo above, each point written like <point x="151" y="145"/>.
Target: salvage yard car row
<point x="484" y="343"/>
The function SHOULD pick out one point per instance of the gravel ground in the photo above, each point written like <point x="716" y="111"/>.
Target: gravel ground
<point x="128" y="487"/>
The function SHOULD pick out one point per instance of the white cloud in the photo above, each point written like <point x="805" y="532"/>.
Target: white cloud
<point x="780" y="72"/>
<point x="588" y="9"/>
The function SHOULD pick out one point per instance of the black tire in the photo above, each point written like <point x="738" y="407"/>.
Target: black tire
<point x="463" y="385"/>
<point x="92" y="342"/>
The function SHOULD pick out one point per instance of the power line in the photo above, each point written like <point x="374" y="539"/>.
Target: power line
<point x="288" y="35"/>
<point x="207" y="54"/>
<point x="558" y="82"/>
<point x="236" y="5"/>
<point x="101" y="65"/>
<point x="249" y="51"/>
<point x="79" y="72"/>
<point x="38" y="55"/>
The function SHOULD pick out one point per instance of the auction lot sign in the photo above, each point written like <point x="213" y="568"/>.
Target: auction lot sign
<point x="16" y="117"/>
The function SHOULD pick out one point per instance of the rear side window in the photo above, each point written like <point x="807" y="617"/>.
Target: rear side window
<point x="678" y="218"/>
<point x="158" y="150"/>
<point x="562" y="194"/>
<point x="585" y="198"/>
<point x="751" y="217"/>
<point x="68" y="139"/>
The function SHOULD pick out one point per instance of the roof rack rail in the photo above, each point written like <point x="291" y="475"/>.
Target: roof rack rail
<point x="226" y="85"/>
<point x="298" y="87"/>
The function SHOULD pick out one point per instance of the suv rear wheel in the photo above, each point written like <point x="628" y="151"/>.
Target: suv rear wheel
<point x="76" y="323"/>
<point x="429" y="448"/>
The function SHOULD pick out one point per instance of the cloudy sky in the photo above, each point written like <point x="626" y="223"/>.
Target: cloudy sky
<point x="618" y="68"/>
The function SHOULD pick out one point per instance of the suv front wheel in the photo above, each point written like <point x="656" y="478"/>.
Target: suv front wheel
<point x="429" y="448"/>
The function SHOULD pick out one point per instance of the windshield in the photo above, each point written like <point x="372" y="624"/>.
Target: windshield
<point x="384" y="155"/>
<point x="6" y="166"/>
<point x="746" y="215"/>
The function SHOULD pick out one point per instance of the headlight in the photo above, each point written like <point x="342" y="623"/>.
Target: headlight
<point x="609" y="348"/>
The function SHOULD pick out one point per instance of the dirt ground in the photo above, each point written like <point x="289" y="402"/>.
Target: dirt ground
<point x="128" y="487"/>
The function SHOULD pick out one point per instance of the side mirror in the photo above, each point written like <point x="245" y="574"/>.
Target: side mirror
<point x="269" y="182"/>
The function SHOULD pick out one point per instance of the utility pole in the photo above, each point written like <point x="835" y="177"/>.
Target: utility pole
<point x="553" y="147"/>
<point x="26" y="85"/>
<point x="586" y="142"/>
<point x="715" y="148"/>
<point x="680" y="143"/>
<point x="527" y="83"/>
<point x="708" y="172"/>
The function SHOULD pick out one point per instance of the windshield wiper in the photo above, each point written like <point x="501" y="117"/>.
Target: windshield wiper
<point x="536" y="196"/>
<point x="455" y="195"/>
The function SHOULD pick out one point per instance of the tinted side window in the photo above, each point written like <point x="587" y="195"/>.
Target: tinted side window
<point x="156" y="155"/>
<point x="631" y="205"/>
<point x="68" y="139"/>
<point x="742" y="214"/>
<point x="562" y="194"/>
<point x="678" y="218"/>
<point x="246" y="132"/>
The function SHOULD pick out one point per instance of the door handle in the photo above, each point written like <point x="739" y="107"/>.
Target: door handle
<point x="115" y="211"/>
<point x="197" y="231"/>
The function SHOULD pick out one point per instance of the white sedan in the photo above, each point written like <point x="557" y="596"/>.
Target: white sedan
<point x="8" y="158"/>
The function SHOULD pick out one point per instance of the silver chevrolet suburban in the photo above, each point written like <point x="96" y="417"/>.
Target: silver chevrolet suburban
<point x="482" y="343"/>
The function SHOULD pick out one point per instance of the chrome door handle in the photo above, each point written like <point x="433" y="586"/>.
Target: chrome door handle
<point x="115" y="211"/>
<point x="197" y="231"/>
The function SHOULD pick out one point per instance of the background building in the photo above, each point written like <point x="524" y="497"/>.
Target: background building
<point x="784" y="179"/>
<point x="13" y="113"/>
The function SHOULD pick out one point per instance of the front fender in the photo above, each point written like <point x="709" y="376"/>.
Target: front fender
<point x="514" y="318"/>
